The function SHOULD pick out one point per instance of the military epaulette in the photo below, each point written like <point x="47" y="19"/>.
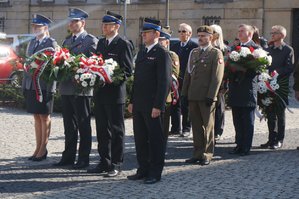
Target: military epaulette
<point x="90" y="35"/>
<point x="51" y="39"/>
<point x="195" y="50"/>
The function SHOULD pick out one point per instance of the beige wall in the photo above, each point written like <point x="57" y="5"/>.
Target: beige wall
<point x="261" y="13"/>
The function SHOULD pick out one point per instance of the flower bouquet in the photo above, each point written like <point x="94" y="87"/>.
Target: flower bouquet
<point x="96" y="71"/>
<point x="272" y="92"/>
<point x="244" y="59"/>
<point x="61" y="66"/>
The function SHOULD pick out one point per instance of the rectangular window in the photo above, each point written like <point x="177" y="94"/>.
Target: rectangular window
<point x="46" y="1"/>
<point x="211" y="20"/>
<point x="2" y="25"/>
<point x="4" y="3"/>
<point x="213" y="1"/>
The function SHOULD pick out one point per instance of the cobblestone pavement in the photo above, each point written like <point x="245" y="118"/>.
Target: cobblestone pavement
<point x="263" y="174"/>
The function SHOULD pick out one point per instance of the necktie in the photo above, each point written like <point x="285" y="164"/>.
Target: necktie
<point x="107" y="42"/>
<point x="74" y="38"/>
<point x="182" y="44"/>
<point x="36" y="45"/>
<point x="202" y="51"/>
<point x="146" y="50"/>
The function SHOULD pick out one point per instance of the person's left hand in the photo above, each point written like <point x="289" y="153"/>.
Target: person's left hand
<point x="156" y="112"/>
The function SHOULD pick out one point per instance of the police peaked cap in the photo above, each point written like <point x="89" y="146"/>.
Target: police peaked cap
<point x="165" y="32"/>
<point x="112" y="18"/>
<point x="77" y="14"/>
<point x="151" y="24"/>
<point x="41" y="20"/>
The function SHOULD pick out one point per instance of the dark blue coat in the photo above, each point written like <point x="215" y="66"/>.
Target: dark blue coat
<point x="152" y="79"/>
<point x="242" y="87"/>
<point x="120" y="51"/>
<point x="183" y="53"/>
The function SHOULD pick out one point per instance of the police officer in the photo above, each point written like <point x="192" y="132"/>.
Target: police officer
<point x="173" y="96"/>
<point x="41" y="110"/>
<point x="152" y="79"/>
<point x="76" y="105"/>
<point x="110" y="99"/>
<point x="202" y="80"/>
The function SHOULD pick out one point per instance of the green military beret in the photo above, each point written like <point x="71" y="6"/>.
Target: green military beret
<point x="206" y="29"/>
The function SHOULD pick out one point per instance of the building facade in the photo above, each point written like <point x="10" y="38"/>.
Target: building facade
<point x="15" y="15"/>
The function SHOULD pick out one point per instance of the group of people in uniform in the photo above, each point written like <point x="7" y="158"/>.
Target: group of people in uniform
<point x="186" y="80"/>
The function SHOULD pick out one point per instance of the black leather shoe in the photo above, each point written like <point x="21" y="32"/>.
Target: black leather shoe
<point x="151" y="180"/>
<point x="205" y="162"/>
<point x="298" y="148"/>
<point x="136" y="176"/>
<point x="81" y="165"/>
<point x="62" y="163"/>
<point x="31" y="157"/>
<point x="98" y="169"/>
<point x="266" y="145"/>
<point x="192" y="160"/>
<point x="236" y="150"/>
<point x="38" y="159"/>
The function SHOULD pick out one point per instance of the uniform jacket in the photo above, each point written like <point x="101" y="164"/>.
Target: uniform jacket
<point x="175" y="62"/>
<point x="183" y="53"/>
<point x="120" y="51"/>
<point x="85" y="44"/>
<point x="27" y="83"/>
<point x="152" y="79"/>
<point x="243" y="93"/>
<point x="296" y="78"/>
<point x="206" y="76"/>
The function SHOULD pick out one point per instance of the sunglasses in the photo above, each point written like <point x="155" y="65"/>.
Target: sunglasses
<point x="183" y="31"/>
<point x="274" y="33"/>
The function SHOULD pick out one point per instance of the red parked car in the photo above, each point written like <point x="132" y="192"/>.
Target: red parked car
<point x="11" y="67"/>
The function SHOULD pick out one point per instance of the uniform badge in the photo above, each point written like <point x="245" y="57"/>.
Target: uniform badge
<point x="151" y="58"/>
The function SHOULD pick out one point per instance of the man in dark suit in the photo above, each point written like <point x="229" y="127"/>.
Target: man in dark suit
<point x="242" y="98"/>
<point x="76" y="105"/>
<point x="283" y="63"/>
<point x="152" y="80"/>
<point x="110" y="99"/>
<point x="183" y="49"/>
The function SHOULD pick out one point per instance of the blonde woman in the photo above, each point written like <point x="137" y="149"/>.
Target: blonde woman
<point x="41" y="110"/>
<point x="217" y="42"/>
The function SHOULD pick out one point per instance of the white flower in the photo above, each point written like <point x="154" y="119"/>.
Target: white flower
<point x="77" y="77"/>
<point x="91" y="83"/>
<point x="264" y="77"/>
<point x="244" y="52"/>
<point x="84" y="84"/>
<point x="262" y="87"/>
<point x="235" y="56"/>
<point x="259" y="53"/>
<point x="266" y="101"/>
<point x="269" y="59"/>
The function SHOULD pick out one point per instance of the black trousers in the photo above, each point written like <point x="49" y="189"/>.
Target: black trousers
<point x="110" y="134"/>
<point x="76" y="117"/>
<point x="181" y="108"/>
<point x="276" y="124"/>
<point x="149" y="142"/>
<point x="243" y="119"/>
<point x="219" y="115"/>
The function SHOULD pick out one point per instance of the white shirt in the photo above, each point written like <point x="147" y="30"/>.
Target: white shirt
<point x="111" y="38"/>
<point x="151" y="46"/>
